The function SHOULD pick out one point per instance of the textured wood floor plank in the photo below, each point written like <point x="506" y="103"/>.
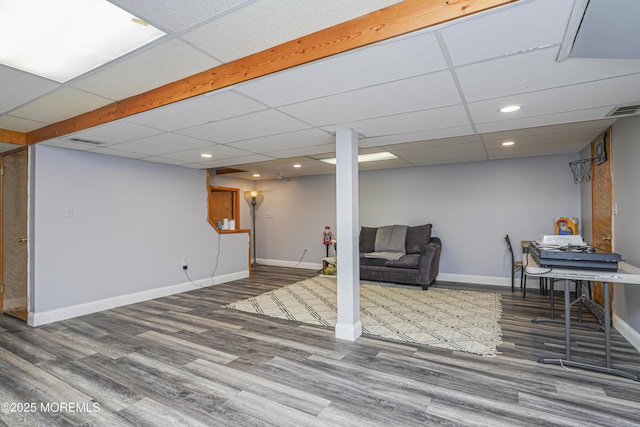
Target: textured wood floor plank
<point x="185" y="360"/>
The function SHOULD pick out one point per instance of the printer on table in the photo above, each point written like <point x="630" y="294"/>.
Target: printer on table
<point x="571" y="252"/>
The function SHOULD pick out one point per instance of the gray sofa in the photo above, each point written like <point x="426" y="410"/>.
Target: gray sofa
<point x="399" y="254"/>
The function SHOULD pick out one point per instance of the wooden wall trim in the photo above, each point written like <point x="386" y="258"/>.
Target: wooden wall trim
<point x="396" y="20"/>
<point x="13" y="137"/>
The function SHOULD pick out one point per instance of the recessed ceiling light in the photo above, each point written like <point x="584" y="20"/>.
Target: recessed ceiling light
<point x="510" y="108"/>
<point x="508" y="143"/>
<point x="206" y="155"/>
<point x="256" y="175"/>
<point x="371" y="157"/>
<point x="60" y="42"/>
<point x="297" y="165"/>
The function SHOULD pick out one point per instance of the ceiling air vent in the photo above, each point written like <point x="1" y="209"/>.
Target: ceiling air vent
<point x="624" y="111"/>
<point x="86" y="141"/>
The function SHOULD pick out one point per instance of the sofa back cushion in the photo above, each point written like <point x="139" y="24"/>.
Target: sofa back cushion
<point x="368" y="239"/>
<point x="391" y="238"/>
<point x="417" y="238"/>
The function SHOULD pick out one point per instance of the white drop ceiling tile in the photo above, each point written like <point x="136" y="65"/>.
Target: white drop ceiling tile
<point x="196" y="111"/>
<point x="508" y="30"/>
<point x="254" y="125"/>
<point x="412" y="94"/>
<point x="304" y="151"/>
<point x="267" y="23"/>
<point x="116" y="132"/>
<point x="548" y="135"/>
<point x="559" y="100"/>
<point x="60" y="105"/>
<point x="416" y="136"/>
<point x="165" y="61"/>
<point x="286" y="141"/>
<point x="161" y="144"/>
<point x="453" y="153"/>
<point x="418" y="148"/>
<point x="380" y="63"/>
<point x="495" y="154"/>
<point x="18" y="87"/>
<point x="533" y="71"/>
<point x="588" y="114"/>
<point x="384" y="164"/>
<point x="219" y="152"/>
<point x="118" y="153"/>
<point x="158" y="159"/>
<point x="177" y="16"/>
<point x="437" y="118"/>
<point x="65" y="143"/>
<point x="19" y="124"/>
<point x="237" y="161"/>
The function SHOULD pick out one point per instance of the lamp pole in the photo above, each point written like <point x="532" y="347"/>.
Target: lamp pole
<point x="253" y="215"/>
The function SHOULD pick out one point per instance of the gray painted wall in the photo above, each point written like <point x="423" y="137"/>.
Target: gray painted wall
<point x="471" y="206"/>
<point x="133" y="224"/>
<point x="625" y="148"/>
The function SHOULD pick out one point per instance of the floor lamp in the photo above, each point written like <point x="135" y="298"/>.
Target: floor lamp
<point x="254" y="194"/>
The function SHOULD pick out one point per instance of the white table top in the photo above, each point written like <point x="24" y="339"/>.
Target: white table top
<point x="626" y="273"/>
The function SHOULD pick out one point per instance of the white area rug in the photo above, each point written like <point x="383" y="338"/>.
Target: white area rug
<point x="452" y="319"/>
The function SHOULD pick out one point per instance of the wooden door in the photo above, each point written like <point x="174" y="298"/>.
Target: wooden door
<point x="14" y="234"/>
<point x="601" y="196"/>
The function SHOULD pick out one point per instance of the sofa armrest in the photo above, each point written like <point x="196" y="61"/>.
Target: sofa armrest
<point x="429" y="262"/>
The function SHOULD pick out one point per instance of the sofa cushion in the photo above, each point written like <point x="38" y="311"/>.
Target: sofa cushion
<point x="391" y="238"/>
<point x="378" y="262"/>
<point x="368" y="239"/>
<point x="417" y="238"/>
<point x="407" y="261"/>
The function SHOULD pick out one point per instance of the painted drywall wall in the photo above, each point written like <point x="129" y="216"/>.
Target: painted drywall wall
<point x="107" y="228"/>
<point x="625" y="147"/>
<point x="471" y="206"/>
<point x="292" y="218"/>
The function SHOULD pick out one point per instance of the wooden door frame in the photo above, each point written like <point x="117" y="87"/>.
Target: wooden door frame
<point x="2" y="156"/>
<point x="598" y="286"/>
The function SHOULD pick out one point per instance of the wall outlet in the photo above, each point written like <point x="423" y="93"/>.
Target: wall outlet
<point x="306" y="250"/>
<point x="184" y="265"/>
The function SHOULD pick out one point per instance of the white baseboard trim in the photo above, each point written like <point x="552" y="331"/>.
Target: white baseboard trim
<point x="294" y="264"/>
<point x="479" y="280"/>
<point x="42" y="318"/>
<point x="445" y="277"/>
<point x="627" y="331"/>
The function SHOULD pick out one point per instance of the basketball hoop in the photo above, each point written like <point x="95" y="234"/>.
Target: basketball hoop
<point x="581" y="170"/>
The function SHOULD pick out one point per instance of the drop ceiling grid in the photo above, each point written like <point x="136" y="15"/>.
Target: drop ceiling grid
<point x="197" y="111"/>
<point x="368" y="66"/>
<point x="18" y="87"/>
<point x="402" y="96"/>
<point x="164" y="143"/>
<point x="507" y="31"/>
<point x="166" y="60"/>
<point x="253" y="125"/>
<point x="61" y="104"/>
<point x="267" y="23"/>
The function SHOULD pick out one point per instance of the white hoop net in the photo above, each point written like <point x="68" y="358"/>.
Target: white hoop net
<point x="581" y="170"/>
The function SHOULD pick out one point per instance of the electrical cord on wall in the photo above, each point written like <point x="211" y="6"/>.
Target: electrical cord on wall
<point x="215" y="267"/>
<point x="300" y="260"/>
<point x="189" y="277"/>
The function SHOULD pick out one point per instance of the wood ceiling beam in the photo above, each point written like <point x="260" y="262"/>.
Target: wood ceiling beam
<point x="396" y="20"/>
<point x="13" y="137"/>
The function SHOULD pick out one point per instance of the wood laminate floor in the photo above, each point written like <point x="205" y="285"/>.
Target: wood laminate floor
<point x="183" y="360"/>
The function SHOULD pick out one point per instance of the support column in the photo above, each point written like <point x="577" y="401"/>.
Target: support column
<point x="348" y="326"/>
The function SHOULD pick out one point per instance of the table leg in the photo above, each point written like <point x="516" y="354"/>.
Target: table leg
<point x="607" y="324"/>
<point x="567" y="318"/>
<point x="607" y="318"/>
